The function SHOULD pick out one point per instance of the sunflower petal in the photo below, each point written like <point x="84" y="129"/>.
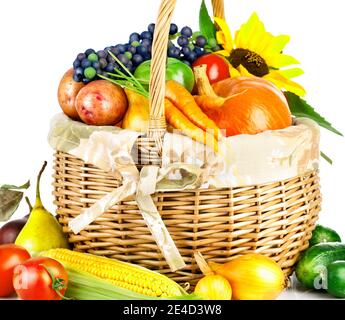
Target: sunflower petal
<point x="278" y="44"/>
<point x="284" y="83"/>
<point x="223" y="53"/>
<point x="265" y="41"/>
<point x="275" y="48"/>
<point x="244" y="72"/>
<point x="242" y="37"/>
<point x="291" y="73"/>
<point x="282" y="60"/>
<point x="226" y="36"/>
<point x="234" y="73"/>
<point x="255" y="40"/>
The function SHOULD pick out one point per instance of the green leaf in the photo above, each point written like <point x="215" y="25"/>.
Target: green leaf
<point x="206" y="25"/>
<point x="9" y="202"/>
<point x="300" y="108"/>
<point x="12" y="187"/>
<point x="328" y="159"/>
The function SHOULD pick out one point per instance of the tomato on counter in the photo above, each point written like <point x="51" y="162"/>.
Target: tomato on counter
<point x="10" y="256"/>
<point x="40" y="278"/>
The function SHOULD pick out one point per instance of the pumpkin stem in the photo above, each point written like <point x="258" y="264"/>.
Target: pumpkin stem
<point x="202" y="264"/>
<point x="202" y="82"/>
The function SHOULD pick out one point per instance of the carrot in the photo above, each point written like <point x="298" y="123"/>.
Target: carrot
<point x="179" y="121"/>
<point x="185" y="103"/>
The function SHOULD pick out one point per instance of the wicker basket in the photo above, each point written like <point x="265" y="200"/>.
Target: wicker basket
<point x="274" y="219"/>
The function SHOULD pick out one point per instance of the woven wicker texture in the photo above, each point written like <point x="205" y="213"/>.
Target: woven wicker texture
<point x="150" y="147"/>
<point x="274" y="219"/>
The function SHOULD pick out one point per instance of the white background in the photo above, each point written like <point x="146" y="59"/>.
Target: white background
<point x="39" y="40"/>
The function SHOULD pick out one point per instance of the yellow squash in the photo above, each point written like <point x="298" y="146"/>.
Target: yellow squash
<point x="138" y="114"/>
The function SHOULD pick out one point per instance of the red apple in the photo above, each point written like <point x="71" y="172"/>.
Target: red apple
<point x="101" y="103"/>
<point x="67" y="93"/>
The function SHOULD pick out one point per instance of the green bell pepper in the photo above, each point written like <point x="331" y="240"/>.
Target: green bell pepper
<point x="175" y="70"/>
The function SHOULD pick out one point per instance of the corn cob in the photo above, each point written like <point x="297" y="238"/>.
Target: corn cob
<point x="121" y="274"/>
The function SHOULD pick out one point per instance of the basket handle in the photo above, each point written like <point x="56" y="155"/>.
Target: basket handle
<point x="157" y="124"/>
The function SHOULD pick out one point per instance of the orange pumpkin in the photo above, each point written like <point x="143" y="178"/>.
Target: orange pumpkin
<point x="246" y="105"/>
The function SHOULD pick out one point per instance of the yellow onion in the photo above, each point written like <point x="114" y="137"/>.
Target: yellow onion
<point x="252" y="277"/>
<point x="213" y="287"/>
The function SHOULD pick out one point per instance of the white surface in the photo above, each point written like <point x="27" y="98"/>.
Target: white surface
<point x="40" y="39"/>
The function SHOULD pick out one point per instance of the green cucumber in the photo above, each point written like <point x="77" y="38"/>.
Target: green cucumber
<point x="336" y="279"/>
<point x="322" y="234"/>
<point x="311" y="269"/>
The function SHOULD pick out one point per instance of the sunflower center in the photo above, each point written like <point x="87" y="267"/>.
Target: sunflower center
<point x="254" y="63"/>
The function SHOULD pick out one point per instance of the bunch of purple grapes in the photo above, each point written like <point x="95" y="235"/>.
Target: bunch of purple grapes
<point x="90" y="65"/>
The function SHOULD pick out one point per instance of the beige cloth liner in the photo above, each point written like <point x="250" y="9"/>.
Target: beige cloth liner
<point x="243" y="160"/>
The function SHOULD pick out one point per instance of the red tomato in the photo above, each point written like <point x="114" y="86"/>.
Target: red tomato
<point x="10" y="256"/>
<point x="217" y="67"/>
<point x="40" y="279"/>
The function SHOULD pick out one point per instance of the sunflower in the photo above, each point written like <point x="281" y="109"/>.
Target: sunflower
<point x="256" y="52"/>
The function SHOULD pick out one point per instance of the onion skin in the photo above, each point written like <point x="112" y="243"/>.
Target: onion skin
<point x="213" y="287"/>
<point x="252" y="277"/>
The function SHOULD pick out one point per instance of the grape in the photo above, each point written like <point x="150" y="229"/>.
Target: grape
<point x="86" y="81"/>
<point x="187" y="32"/>
<point x="106" y="49"/>
<point x="103" y="63"/>
<point x="142" y="50"/>
<point x="183" y="41"/>
<point x="191" y="57"/>
<point x="130" y="66"/>
<point x="89" y="51"/>
<point x="77" y="78"/>
<point x="128" y="55"/>
<point x="110" y="67"/>
<point x="151" y="28"/>
<point x="96" y="65"/>
<point x="146" y="43"/>
<point x="123" y="58"/>
<point x="92" y="57"/>
<point x="199" y="52"/>
<point x="137" y="59"/>
<point x="89" y="73"/>
<point x="212" y="43"/>
<point x="174" y="52"/>
<point x="187" y="63"/>
<point x="121" y="48"/>
<point x="134" y="37"/>
<point x="115" y="51"/>
<point x="102" y="54"/>
<point x="186" y="50"/>
<point x="86" y="63"/>
<point x="79" y="71"/>
<point x="76" y="63"/>
<point x="99" y="71"/>
<point x="132" y="50"/>
<point x="81" y="56"/>
<point x="200" y="41"/>
<point x="173" y="29"/>
<point x="135" y="44"/>
<point x="110" y="59"/>
<point x="146" y="35"/>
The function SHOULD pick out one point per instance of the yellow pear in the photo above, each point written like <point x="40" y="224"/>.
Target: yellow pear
<point x="138" y="114"/>
<point x="42" y="231"/>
